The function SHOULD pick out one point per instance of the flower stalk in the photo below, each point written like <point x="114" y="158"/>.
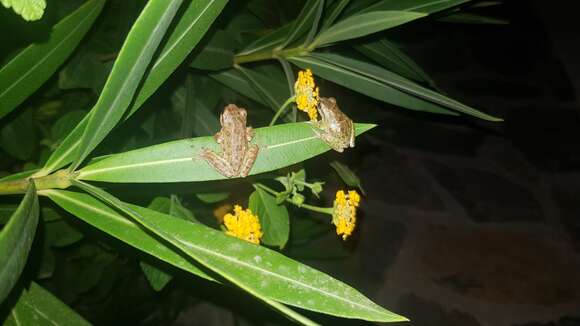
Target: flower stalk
<point x="282" y="109"/>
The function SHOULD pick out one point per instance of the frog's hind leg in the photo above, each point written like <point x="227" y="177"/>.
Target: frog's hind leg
<point x="248" y="161"/>
<point x="218" y="163"/>
<point x="329" y="140"/>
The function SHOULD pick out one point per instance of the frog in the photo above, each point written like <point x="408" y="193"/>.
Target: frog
<point x="238" y="155"/>
<point x="335" y="128"/>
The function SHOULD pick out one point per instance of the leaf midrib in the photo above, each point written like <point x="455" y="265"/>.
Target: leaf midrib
<point x="268" y="272"/>
<point x="119" y="94"/>
<point x="174" y="160"/>
<point x="332" y="31"/>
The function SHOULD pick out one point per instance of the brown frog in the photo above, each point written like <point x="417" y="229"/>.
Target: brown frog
<point x="334" y="128"/>
<point x="238" y="155"/>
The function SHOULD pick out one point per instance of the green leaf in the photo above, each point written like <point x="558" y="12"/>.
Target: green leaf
<point x="364" y="24"/>
<point x="330" y="18"/>
<point x="347" y="175"/>
<point x="423" y="6"/>
<point x="29" y="9"/>
<point x="197" y="112"/>
<point x="19" y="175"/>
<point x="208" y="197"/>
<point x="66" y="123"/>
<point x="101" y="216"/>
<point x="190" y="28"/>
<point x="273" y="218"/>
<point x="156" y="277"/>
<point x="160" y="204"/>
<point x="216" y="55"/>
<point x="46" y="213"/>
<point x="472" y="18"/>
<point x="108" y="220"/>
<point x="265" y="90"/>
<point x="234" y="79"/>
<point x="134" y="57"/>
<point x="178" y="210"/>
<point x="269" y="41"/>
<point x="264" y="273"/>
<point x="388" y="55"/>
<point x="37" y="306"/>
<point x="35" y="64"/>
<point x="384" y="85"/>
<point x="16" y="239"/>
<point x="84" y="70"/>
<point x="179" y="161"/>
<point x="307" y="20"/>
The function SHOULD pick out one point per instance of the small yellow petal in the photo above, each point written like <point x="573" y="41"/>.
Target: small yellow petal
<point x="344" y="212"/>
<point x="243" y="224"/>
<point x="307" y="95"/>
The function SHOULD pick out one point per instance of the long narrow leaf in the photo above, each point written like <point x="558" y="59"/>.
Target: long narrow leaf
<point x="16" y="239"/>
<point x="269" y="41"/>
<point x="424" y="6"/>
<point x="37" y="306"/>
<point x="389" y="56"/>
<point x="383" y="85"/>
<point x="191" y="27"/>
<point x="263" y="273"/>
<point x="364" y="24"/>
<point x="306" y="20"/>
<point x="402" y="84"/>
<point x="329" y="19"/>
<point x="261" y="88"/>
<point x="235" y="80"/>
<point x="129" y="68"/>
<point x="179" y="161"/>
<point x="108" y="220"/>
<point x="34" y="65"/>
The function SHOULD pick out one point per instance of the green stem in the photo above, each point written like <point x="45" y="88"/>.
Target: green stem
<point x="270" y="55"/>
<point x="324" y="210"/>
<point x="57" y="180"/>
<point x="282" y="109"/>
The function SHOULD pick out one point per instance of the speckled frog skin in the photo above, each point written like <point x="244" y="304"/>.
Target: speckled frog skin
<point x="334" y="128"/>
<point x="238" y="155"/>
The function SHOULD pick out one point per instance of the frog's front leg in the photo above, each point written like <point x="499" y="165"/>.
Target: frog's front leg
<point x="248" y="160"/>
<point x="352" y="136"/>
<point x="249" y="133"/>
<point x="218" y="163"/>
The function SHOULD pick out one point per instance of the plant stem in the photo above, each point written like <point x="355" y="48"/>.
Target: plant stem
<point x="282" y="109"/>
<point x="324" y="210"/>
<point x="270" y="55"/>
<point x="57" y="180"/>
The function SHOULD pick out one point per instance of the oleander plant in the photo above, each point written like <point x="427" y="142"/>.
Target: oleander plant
<point x="168" y="139"/>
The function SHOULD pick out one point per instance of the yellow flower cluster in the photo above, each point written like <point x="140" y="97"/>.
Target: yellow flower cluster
<point x="307" y="94"/>
<point x="243" y="224"/>
<point x="344" y="212"/>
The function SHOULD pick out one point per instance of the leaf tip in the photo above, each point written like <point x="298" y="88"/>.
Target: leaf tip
<point x="361" y="128"/>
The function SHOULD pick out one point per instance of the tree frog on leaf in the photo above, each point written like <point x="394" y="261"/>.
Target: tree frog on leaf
<point x="238" y="155"/>
<point x="334" y="128"/>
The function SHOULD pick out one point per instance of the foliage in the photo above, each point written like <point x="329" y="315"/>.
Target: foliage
<point x="64" y="97"/>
